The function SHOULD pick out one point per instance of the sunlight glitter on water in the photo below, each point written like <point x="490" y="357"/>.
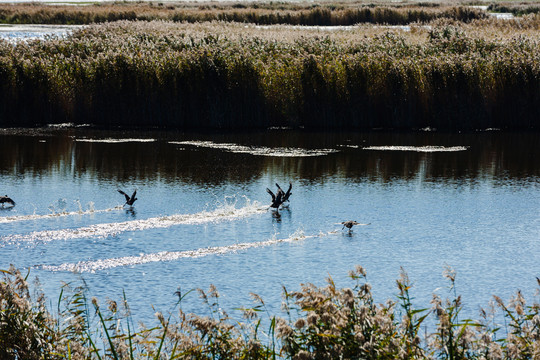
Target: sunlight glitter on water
<point x="114" y="141"/>
<point x="418" y="148"/>
<point x="103" y="264"/>
<point x="226" y="212"/>
<point x="257" y="150"/>
<point x="55" y="215"/>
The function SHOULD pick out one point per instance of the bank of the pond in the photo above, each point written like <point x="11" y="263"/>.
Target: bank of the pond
<point x="318" y="323"/>
<point x="448" y="76"/>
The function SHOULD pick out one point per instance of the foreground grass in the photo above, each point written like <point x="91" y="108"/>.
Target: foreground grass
<point x="319" y="323"/>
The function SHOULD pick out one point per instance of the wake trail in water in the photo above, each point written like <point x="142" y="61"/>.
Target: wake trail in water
<point x="10" y="219"/>
<point x="224" y="213"/>
<point x="104" y="264"/>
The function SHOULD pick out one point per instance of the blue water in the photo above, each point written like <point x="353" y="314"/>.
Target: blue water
<point x="468" y="201"/>
<point x="24" y="32"/>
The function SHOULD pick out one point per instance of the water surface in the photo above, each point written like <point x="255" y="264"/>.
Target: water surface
<point x="469" y="201"/>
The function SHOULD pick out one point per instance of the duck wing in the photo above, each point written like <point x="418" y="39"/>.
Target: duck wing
<point x="133" y="196"/>
<point x="6" y="199"/>
<point x="288" y="193"/>
<point x="123" y="193"/>
<point x="271" y="193"/>
<point x="280" y="191"/>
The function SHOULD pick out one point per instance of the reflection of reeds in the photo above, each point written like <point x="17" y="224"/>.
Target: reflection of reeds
<point x="221" y="75"/>
<point x="320" y="323"/>
<point x="270" y="13"/>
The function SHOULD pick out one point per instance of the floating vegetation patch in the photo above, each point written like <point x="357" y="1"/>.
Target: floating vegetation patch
<point x="114" y="141"/>
<point x="258" y="150"/>
<point x="103" y="264"/>
<point x="418" y="148"/>
<point x="226" y="212"/>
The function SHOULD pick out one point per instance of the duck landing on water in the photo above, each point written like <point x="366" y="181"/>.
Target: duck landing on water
<point x="349" y="224"/>
<point x="6" y="200"/>
<point x="129" y="200"/>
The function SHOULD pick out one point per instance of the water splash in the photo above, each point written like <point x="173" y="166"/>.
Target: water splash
<point x="258" y="150"/>
<point x="226" y="212"/>
<point x="418" y="148"/>
<point x="104" y="264"/>
<point x="79" y="205"/>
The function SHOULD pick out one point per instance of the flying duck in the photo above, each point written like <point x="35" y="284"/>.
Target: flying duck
<point x="129" y="200"/>
<point x="349" y="224"/>
<point x="6" y="199"/>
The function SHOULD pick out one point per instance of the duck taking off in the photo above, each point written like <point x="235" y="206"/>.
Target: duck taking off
<point x="277" y="200"/>
<point x="285" y="195"/>
<point x="6" y="200"/>
<point x="129" y="200"/>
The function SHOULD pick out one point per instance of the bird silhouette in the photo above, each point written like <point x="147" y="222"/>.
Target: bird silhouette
<point x="349" y="224"/>
<point x="277" y="200"/>
<point x="129" y="200"/>
<point x="6" y="199"/>
<point x="285" y="195"/>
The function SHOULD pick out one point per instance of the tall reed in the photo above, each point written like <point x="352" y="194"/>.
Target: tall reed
<point x="312" y="14"/>
<point x="159" y="74"/>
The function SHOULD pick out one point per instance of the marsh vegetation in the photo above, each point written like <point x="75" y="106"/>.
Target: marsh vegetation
<point x="267" y="13"/>
<point x="446" y="75"/>
<point x="318" y="322"/>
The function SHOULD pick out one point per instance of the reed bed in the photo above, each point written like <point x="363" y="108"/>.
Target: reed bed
<point x="517" y="9"/>
<point x="447" y="75"/>
<point x="263" y="14"/>
<point x="317" y="322"/>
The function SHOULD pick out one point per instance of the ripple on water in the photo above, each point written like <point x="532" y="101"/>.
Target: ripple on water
<point x="418" y="148"/>
<point x="258" y="150"/>
<point x="114" y="141"/>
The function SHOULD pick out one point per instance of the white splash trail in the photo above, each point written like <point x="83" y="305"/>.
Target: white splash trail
<point x="9" y="219"/>
<point x="103" y="264"/>
<point x="418" y="148"/>
<point x="257" y="150"/>
<point x="226" y="213"/>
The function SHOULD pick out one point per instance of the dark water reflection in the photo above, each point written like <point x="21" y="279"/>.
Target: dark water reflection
<point x="490" y="155"/>
<point x="471" y="202"/>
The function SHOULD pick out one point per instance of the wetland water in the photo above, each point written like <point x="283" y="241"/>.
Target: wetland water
<point x="469" y="201"/>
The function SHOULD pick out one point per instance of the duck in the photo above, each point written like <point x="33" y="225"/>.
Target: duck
<point x="349" y="224"/>
<point x="277" y="200"/>
<point x="285" y="195"/>
<point x="129" y="200"/>
<point x="6" y="199"/>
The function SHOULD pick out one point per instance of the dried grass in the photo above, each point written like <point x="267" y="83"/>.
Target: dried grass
<point x="448" y="75"/>
<point x="319" y="323"/>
